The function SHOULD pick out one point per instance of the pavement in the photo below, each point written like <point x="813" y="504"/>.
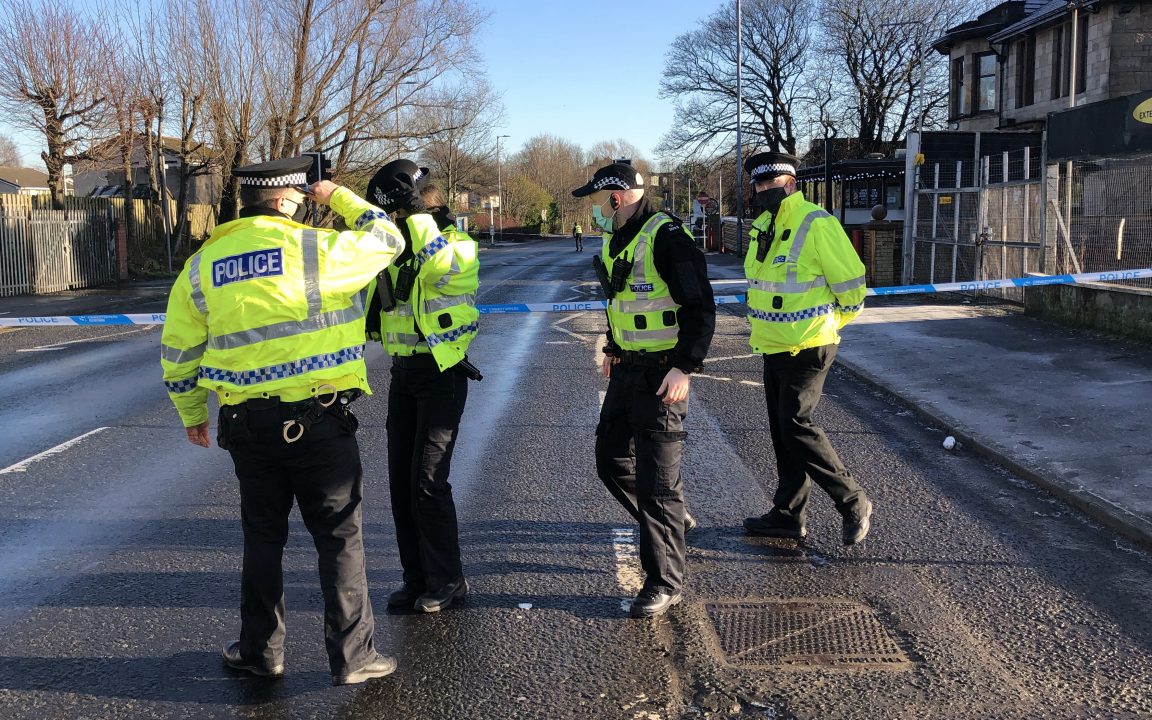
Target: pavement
<point x="1063" y="408"/>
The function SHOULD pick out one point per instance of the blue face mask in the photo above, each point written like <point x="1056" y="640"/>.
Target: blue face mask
<point x="600" y="220"/>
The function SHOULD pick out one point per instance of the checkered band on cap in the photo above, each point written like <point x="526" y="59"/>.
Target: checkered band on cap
<point x="613" y="180"/>
<point x="288" y="180"/>
<point x="773" y="169"/>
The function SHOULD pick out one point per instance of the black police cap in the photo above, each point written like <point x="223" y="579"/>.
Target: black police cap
<point x="767" y="165"/>
<point x="396" y="180"/>
<point x="617" y="176"/>
<point x="286" y="172"/>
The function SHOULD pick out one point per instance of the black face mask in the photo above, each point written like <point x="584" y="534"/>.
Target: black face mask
<point x="769" y="200"/>
<point x="301" y="213"/>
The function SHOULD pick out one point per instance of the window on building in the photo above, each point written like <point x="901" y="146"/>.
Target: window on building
<point x="1026" y="71"/>
<point x="1062" y="57"/>
<point x="985" y="82"/>
<point x="957" y="96"/>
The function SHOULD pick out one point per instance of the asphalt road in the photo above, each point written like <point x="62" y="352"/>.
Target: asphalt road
<point x="976" y="596"/>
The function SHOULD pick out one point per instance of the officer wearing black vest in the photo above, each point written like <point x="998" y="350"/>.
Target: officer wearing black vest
<point x="661" y="317"/>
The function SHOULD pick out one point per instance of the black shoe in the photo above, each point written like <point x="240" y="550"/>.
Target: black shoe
<point x="405" y="597"/>
<point x="381" y="666"/>
<point x="858" y="522"/>
<point x="654" y="601"/>
<point x="436" y="601"/>
<point x="689" y="523"/>
<point x="233" y="659"/>
<point x="774" y="525"/>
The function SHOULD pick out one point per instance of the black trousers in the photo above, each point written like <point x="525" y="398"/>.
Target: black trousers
<point x="579" y="242"/>
<point x="792" y="386"/>
<point x="322" y="473"/>
<point x="639" y="441"/>
<point x="424" y="410"/>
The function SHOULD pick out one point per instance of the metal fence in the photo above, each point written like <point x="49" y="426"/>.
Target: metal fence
<point x="1102" y="217"/>
<point x="978" y="221"/>
<point x="52" y="250"/>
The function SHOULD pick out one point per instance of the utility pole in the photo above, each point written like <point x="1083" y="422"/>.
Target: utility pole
<point x="500" y="184"/>
<point x="739" y="123"/>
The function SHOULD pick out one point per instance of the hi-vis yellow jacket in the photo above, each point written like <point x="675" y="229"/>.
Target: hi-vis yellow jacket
<point x="272" y="308"/>
<point x="440" y="315"/>
<point x="642" y="315"/>
<point x="810" y="283"/>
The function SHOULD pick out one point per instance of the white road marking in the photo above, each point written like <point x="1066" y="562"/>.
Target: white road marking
<point x="730" y="357"/>
<point x="628" y="575"/>
<point x="57" y="346"/>
<point x="23" y="464"/>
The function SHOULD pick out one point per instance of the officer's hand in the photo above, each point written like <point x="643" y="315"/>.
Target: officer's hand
<point x="606" y="365"/>
<point x="675" y="387"/>
<point x="322" y="191"/>
<point x="198" y="435"/>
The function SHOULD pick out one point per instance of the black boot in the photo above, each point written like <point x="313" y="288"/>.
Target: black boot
<point x="379" y="667"/>
<point x="654" y="601"/>
<point x="775" y="525"/>
<point x="858" y="521"/>
<point x="234" y="660"/>
<point x="405" y="597"/>
<point x="437" y="600"/>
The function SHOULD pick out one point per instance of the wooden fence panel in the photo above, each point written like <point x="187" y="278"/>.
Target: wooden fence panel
<point x="15" y="257"/>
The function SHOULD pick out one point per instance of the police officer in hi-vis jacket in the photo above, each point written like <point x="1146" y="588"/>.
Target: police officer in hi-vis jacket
<point x="269" y="315"/>
<point x="805" y="283"/>
<point x="661" y="316"/>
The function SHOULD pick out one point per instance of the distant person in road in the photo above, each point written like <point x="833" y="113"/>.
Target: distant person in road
<point x="269" y="315"/>
<point x="661" y="317"/>
<point x="578" y="235"/>
<point x="805" y="283"/>
<point x="423" y="311"/>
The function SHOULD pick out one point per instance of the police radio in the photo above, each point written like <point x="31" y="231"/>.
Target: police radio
<point x="405" y="279"/>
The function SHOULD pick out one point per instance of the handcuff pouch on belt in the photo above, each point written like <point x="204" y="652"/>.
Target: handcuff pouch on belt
<point x="311" y="412"/>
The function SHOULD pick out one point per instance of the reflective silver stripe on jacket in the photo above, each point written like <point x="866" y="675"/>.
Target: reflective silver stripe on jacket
<point x="643" y="306"/>
<point x="408" y="339"/>
<point x="639" y="271"/>
<point x="447" y="277"/>
<point x="785" y="287"/>
<point x="310" y="242"/>
<point x="401" y="310"/>
<point x="447" y="302"/>
<point x="332" y="318"/>
<point x="791" y="275"/>
<point x="642" y="335"/>
<point x="177" y="356"/>
<point x="847" y="285"/>
<point x="197" y="291"/>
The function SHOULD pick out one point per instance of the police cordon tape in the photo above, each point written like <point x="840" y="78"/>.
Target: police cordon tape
<point x="586" y="305"/>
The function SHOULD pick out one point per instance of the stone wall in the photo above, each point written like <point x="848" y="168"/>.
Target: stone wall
<point x="1099" y="306"/>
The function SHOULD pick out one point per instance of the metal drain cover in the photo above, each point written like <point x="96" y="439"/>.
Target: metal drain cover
<point x="800" y="634"/>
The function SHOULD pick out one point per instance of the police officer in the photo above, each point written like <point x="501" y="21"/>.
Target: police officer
<point x="805" y="283"/>
<point x="578" y="235"/>
<point x="661" y="316"/>
<point x="424" y="312"/>
<point x="269" y="314"/>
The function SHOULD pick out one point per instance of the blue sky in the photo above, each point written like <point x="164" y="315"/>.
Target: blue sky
<point x="585" y="71"/>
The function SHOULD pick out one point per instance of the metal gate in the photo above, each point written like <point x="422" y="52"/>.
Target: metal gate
<point x="975" y="223"/>
<point x="53" y="250"/>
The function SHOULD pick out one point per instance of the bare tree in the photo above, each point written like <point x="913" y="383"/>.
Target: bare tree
<point x="607" y="151"/>
<point x="557" y="165"/>
<point x="9" y="153"/>
<point x="462" y="126"/>
<point x="880" y="52"/>
<point x="700" y="75"/>
<point x="52" y="59"/>
<point x="526" y="201"/>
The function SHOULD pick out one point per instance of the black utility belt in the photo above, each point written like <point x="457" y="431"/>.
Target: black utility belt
<point x="419" y="361"/>
<point x="660" y="358"/>
<point x="329" y="399"/>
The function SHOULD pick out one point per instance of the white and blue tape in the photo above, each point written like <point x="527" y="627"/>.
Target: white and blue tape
<point x="586" y="305"/>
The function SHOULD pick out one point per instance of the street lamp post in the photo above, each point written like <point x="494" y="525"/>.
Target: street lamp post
<point x="500" y="184"/>
<point x="396" y="90"/>
<point x="739" y="122"/>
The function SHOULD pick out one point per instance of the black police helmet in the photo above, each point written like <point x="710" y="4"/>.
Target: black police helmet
<point x="396" y="186"/>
